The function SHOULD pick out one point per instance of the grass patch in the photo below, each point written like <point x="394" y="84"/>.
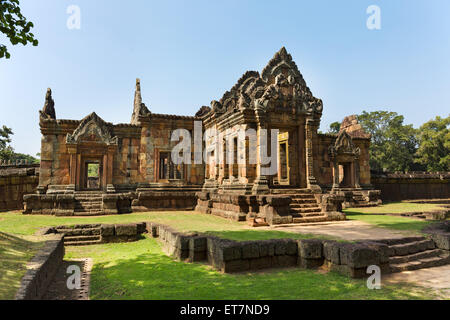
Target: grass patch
<point x="397" y="207"/>
<point x="373" y="215"/>
<point x="17" y="223"/>
<point x="140" y="270"/>
<point x="15" y="252"/>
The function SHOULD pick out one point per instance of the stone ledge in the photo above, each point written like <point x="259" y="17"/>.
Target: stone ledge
<point x="41" y="270"/>
<point x="440" y="234"/>
<point x="231" y="256"/>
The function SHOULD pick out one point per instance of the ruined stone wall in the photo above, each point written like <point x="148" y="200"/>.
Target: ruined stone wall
<point x="414" y="185"/>
<point x="322" y="162"/>
<point x="364" y="167"/>
<point x="55" y="161"/>
<point x="156" y="138"/>
<point x="15" y="182"/>
<point x="126" y="162"/>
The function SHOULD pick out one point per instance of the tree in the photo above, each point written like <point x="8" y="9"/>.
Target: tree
<point x="7" y="152"/>
<point x="5" y="139"/>
<point x="5" y="136"/>
<point x="434" y="145"/>
<point x="15" y="26"/>
<point x="393" y="144"/>
<point x="334" y="127"/>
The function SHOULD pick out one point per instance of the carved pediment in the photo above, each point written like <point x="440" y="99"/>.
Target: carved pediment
<point x="204" y="110"/>
<point x="92" y="129"/>
<point x="279" y="86"/>
<point x="344" y="146"/>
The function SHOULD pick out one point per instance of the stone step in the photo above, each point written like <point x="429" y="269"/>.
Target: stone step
<point x="303" y="201"/>
<point x="438" y="261"/>
<point x="81" y="238"/>
<point x="290" y="191"/>
<point x="411" y="247"/>
<point x="88" y="213"/>
<point x="320" y="218"/>
<point x="303" y="205"/>
<point x="88" y="199"/>
<point x="403" y="240"/>
<point x="415" y="256"/>
<point x="89" y="206"/>
<point x="80" y="232"/>
<point x="306" y="210"/>
<point x="82" y="243"/>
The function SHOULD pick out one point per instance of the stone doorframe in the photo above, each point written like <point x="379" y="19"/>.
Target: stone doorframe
<point x="79" y="155"/>
<point x="92" y="139"/>
<point x="346" y="154"/>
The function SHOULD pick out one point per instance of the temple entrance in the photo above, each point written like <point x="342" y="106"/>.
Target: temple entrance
<point x="92" y="175"/>
<point x="345" y="175"/>
<point x="283" y="159"/>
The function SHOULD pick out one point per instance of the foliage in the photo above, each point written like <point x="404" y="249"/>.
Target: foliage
<point x="15" y="26"/>
<point x="393" y="144"/>
<point x="93" y="170"/>
<point x="5" y="136"/>
<point x="7" y="152"/>
<point x="434" y="144"/>
<point x="334" y="127"/>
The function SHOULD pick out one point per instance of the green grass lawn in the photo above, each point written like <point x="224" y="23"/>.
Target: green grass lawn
<point x="373" y="215"/>
<point x="17" y="223"/>
<point x="140" y="270"/>
<point x="15" y="252"/>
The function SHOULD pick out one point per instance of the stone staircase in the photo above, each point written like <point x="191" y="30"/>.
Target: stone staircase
<point x="80" y="235"/>
<point x="414" y="253"/>
<point x="304" y="206"/>
<point x="88" y="203"/>
<point x="360" y="200"/>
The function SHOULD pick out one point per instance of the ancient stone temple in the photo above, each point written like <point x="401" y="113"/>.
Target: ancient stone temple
<point x="257" y="155"/>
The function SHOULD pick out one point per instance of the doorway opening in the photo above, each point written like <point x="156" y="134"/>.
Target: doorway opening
<point x="93" y="174"/>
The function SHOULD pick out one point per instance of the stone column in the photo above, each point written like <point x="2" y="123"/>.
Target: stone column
<point x="311" y="130"/>
<point x="261" y="184"/>
<point x="335" y="174"/>
<point x="72" y="150"/>
<point x="301" y="154"/>
<point x="356" y="174"/>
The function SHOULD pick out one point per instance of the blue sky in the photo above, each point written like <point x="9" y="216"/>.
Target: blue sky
<point x="188" y="53"/>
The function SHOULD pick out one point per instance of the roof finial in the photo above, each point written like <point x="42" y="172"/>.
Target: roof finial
<point x="139" y="108"/>
<point x="49" y="106"/>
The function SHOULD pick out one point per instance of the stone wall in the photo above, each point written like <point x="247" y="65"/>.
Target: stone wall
<point x="41" y="270"/>
<point x="230" y="256"/>
<point x="414" y="185"/>
<point x="15" y="182"/>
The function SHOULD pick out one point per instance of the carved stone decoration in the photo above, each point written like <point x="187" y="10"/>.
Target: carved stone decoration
<point x="92" y="129"/>
<point x="139" y="108"/>
<point x="48" y="112"/>
<point x="344" y="146"/>
<point x="204" y="110"/>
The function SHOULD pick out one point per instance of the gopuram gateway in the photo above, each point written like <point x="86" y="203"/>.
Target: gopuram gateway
<point x="92" y="167"/>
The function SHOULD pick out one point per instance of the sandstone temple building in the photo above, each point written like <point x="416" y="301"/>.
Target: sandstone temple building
<point x="92" y="167"/>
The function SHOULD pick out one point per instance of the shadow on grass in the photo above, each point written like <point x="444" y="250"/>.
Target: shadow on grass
<point x="14" y="255"/>
<point x="144" y="272"/>
<point x="390" y="222"/>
